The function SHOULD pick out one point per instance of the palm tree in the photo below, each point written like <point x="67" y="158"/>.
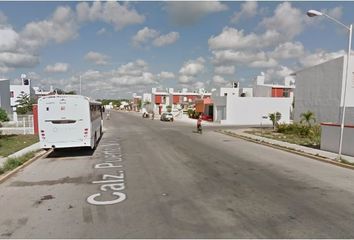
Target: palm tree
<point x="275" y="117"/>
<point x="308" y="117"/>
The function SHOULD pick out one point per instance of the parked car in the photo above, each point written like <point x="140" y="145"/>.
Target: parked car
<point x="166" y="117"/>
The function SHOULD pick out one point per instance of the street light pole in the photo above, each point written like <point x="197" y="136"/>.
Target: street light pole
<point x="345" y="93"/>
<point x="314" y="13"/>
<point x="80" y="83"/>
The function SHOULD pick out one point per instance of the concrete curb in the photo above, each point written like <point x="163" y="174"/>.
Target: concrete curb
<point x="290" y="150"/>
<point x="42" y="153"/>
<point x="32" y="148"/>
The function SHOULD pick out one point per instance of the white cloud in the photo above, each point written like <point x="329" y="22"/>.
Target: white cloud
<point x="5" y="69"/>
<point x="167" y="39"/>
<point x="198" y="85"/>
<point x="190" y="70"/>
<point x="286" y="19"/>
<point x="232" y="38"/>
<point x="166" y="75"/>
<point x="9" y="39"/>
<point x="57" y="68"/>
<point x="192" y="67"/>
<point x="224" y="70"/>
<point x="219" y="80"/>
<point x="288" y="50"/>
<point x="184" y="79"/>
<point x="336" y="12"/>
<point x="318" y="57"/>
<point x="119" y="15"/>
<point x="265" y="63"/>
<point x="186" y="13"/>
<point x="61" y="27"/>
<point x="14" y="60"/>
<point x="133" y="69"/>
<point x="277" y="74"/>
<point x="101" y="31"/>
<point x="97" y="58"/>
<point x="251" y="59"/>
<point x="144" y="35"/>
<point x="248" y="10"/>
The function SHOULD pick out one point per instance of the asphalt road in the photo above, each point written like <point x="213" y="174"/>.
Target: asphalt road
<point x="152" y="179"/>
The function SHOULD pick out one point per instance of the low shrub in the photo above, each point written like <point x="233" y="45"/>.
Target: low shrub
<point x="313" y="132"/>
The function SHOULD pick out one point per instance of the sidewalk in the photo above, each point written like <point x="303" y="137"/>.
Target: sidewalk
<point x="299" y="148"/>
<point x="20" y="153"/>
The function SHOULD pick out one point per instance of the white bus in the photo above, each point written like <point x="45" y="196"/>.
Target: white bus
<point x="66" y="121"/>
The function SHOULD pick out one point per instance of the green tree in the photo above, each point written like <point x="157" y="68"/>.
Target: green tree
<point x="275" y="117"/>
<point x="307" y="117"/>
<point x="3" y="116"/>
<point x="62" y="92"/>
<point x="24" y="103"/>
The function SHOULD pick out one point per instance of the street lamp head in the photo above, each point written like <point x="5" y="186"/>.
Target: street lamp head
<point x="314" y="13"/>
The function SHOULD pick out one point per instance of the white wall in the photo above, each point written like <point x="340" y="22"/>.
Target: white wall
<point x="247" y="91"/>
<point x="330" y="139"/>
<point x="5" y="95"/>
<point x="249" y="111"/>
<point x="262" y="91"/>
<point x="219" y="109"/>
<point x="319" y="89"/>
<point x="229" y="91"/>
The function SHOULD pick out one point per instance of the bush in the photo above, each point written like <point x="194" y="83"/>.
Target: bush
<point x="3" y="116"/>
<point x="300" y="130"/>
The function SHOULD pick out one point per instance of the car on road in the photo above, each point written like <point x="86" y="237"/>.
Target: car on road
<point x="166" y="117"/>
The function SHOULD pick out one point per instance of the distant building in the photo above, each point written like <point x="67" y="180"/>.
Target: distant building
<point x="178" y="100"/>
<point x="5" y="95"/>
<point x="17" y="90"/>
<point x="136" y="105"/>
<point x="261" y="89"/>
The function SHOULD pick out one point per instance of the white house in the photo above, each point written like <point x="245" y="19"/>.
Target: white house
<point x="17" y="90"/>
<point x="230" y="108"/>
<point x="5" y="95"/>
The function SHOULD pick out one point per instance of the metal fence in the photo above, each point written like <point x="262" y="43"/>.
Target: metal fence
<point x="23" y="125"/>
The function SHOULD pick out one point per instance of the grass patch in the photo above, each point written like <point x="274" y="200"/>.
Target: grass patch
<point x="10" y="144"/>
<point x="290" y="137"/>
<point x="346" y="162"/>
<point x="12" y="163"/>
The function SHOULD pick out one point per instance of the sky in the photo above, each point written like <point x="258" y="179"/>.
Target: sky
<point x="121" y="48"/>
